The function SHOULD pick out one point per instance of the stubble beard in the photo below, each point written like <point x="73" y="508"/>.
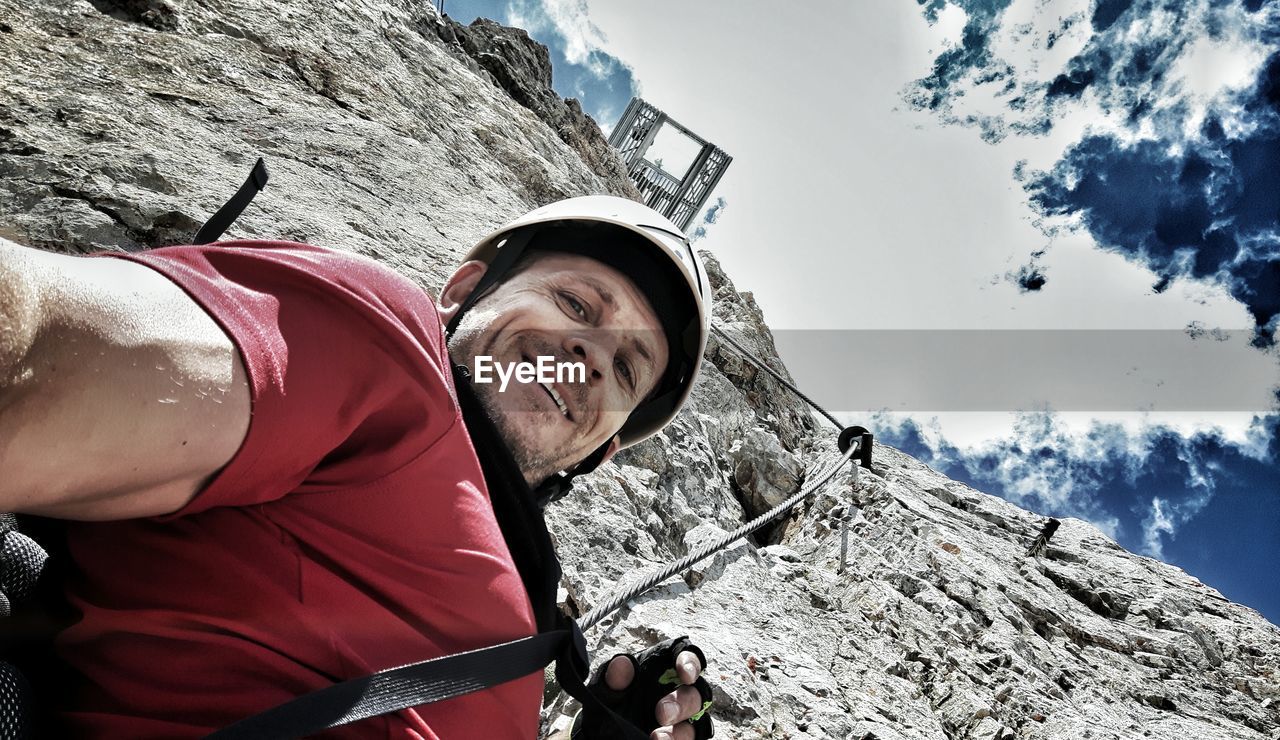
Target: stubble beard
<point x="536" y="464"/>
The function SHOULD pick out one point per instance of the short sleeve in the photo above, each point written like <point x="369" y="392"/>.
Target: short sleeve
<point x="348" y="370"/>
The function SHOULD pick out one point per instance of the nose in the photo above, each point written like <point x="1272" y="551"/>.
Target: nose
<point x="594" y="350"/>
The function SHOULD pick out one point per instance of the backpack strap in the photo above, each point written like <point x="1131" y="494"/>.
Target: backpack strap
<point x="400" y="688"/>
<point x="231" y="210"/>
<point x="435" y="680"/>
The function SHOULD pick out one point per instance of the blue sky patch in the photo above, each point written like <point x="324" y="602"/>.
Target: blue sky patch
<point x="709" y="217"/>
<point x="1198" y="502"/>
<point x="602" y="83"/>
<point x="1185" y="200"/>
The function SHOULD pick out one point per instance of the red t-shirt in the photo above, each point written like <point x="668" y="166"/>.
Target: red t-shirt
<point x="351" y="532"/>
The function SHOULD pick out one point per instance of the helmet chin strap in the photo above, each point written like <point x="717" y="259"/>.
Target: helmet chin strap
<point x="508" y="253"/>
<point x="558" y="485"/>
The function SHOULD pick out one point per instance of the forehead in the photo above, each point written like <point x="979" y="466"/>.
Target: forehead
<point x="632" y="307"/>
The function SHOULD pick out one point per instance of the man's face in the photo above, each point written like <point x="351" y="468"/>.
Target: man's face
<point x="571" y="309"/>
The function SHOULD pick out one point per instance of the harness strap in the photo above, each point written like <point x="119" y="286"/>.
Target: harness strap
<point x="391" y="690"/>
<point x="508" y="253"/>
<point x="231" y="210"/>
<point x="435" y="680"/>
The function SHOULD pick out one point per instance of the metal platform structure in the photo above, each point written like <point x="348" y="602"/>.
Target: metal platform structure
<point x="678" y="197"/>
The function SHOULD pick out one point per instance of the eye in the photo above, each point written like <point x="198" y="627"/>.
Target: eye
<point x="574" y="304"/>
<point x="625" y="371"/>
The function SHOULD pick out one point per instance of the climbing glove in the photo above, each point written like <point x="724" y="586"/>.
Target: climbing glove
<point x="655" y="677"/>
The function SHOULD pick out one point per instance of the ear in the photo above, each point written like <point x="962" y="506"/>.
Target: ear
<point x="459" y="286"/>
<point x="614" y="445"/>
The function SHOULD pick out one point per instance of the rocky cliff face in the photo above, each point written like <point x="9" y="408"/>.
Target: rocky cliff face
<point x="392" y="132"/>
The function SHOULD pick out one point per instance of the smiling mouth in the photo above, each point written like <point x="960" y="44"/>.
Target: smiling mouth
<point x="564" y="410"/>
<point x="554" y="395"/>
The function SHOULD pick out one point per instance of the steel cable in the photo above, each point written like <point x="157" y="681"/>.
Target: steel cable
<point x="746" y="355"/>
<point x="600" y="612"/>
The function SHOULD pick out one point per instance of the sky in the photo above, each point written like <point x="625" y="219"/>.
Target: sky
<point x="1034" y="243"/>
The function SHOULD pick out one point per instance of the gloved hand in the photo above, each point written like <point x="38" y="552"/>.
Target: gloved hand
<point x="660" y="691"/>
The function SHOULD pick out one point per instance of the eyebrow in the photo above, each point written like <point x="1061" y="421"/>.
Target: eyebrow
<point x="607" y="296"/>
<point x="643" y="351"/>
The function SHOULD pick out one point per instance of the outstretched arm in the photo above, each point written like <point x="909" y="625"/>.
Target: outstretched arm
<point x="119" y="395"/>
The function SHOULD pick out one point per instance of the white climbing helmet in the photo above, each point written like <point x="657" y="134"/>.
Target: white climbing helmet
<point x="682" y="301"/>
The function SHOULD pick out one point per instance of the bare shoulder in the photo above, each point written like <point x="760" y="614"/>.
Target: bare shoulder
<point x="121" y="396"/>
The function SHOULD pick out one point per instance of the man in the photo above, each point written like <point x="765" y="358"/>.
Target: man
<point x="278" y="475"/>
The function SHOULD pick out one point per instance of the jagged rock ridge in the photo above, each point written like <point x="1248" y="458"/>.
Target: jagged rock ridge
<point x="522" y="67"/>
<point x="394" y="133"/>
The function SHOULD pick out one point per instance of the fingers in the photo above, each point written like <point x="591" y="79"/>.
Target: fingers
<point x="682" y="731"/>
<point x="620" y="673"/>
<point x="688" y="667"/>
<point x="678" y="706"/>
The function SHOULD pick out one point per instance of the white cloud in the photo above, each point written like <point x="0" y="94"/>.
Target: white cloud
<point x="1210" y="67"/>
<point x="529" y="16"/>
<point x="949" y="26"/>
<point x="1156" y="524"/>
<point x="1166" y="517"/>
<point x="1210" y="70"/>
<point x="1059" y="463"/>
<point x="1043" y="35"/>
<point x="582" y="38"/>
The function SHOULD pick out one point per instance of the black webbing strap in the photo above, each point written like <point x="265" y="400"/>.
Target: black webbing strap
<point x="436" y="680"/>
<point x="559" y="485"/>
<point x="400" y="688"/>
<point x="508" y="253"/>
<point x="231" y="210"/>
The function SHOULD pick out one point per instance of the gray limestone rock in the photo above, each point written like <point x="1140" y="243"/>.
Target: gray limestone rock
<point x="522" y="67"/>
<point x="766" y="474"/>
<point x="393" y="133"/>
